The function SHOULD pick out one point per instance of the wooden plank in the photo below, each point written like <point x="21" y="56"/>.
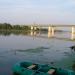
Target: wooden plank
<point x="51" y="71"/>
<point x="31" y="67"/>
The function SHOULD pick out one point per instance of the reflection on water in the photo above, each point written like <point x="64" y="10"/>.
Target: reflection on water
<point x="16" y="32"/>
<point x="56" y="35"/>
<point x="45" y="48"/>
<point x="73" y="36"/>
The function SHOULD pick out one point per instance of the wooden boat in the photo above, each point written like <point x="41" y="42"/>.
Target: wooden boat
<point x="28" y="68"/>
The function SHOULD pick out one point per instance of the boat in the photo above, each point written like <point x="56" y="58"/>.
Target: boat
<point x="29" y="68"/>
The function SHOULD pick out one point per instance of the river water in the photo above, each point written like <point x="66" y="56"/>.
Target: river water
<point x="38" y="47"/>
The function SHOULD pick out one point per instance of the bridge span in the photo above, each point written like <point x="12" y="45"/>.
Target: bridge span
<point x="51" y="28"/>
<point x="47" y="25"/>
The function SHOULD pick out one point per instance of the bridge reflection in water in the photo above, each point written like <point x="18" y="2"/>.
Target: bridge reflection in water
<point x="55" y="35"/>
<point x="61" y="35"/>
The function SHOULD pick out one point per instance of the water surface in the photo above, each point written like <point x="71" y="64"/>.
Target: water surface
<point x="35" y="47"/>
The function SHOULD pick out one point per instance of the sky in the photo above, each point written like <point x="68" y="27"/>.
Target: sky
<point x="37" y="11"/>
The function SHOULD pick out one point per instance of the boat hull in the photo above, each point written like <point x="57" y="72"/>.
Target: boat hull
<point x="22" y="69"/>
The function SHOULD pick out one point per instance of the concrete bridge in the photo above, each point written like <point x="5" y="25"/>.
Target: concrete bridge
<point x="51" y="28"/>
<point x="47" y="25"/>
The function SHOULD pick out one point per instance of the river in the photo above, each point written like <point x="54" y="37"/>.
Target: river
<point x="38" y="47"/>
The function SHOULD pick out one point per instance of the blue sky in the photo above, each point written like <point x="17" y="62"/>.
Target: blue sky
<point x="37" y="11"/>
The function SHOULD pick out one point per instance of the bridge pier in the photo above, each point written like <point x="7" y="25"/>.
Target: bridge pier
<point x="33" y="28"/>
<point x="50" y="31"/>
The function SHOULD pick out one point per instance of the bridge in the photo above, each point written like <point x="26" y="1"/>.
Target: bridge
<point x="47" y="25"/>
<point x="51" y="28"/>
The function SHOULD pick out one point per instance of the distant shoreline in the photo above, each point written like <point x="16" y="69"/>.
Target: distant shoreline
<point x="9" y="27"/>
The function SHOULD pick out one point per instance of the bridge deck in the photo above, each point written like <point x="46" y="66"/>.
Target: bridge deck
<point x="47" y="25"/>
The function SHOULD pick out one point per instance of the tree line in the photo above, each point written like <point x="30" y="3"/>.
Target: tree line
<point x="7" y="26"/>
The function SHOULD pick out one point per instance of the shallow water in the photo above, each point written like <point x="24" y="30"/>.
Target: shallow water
<point x="37" y="48"/>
